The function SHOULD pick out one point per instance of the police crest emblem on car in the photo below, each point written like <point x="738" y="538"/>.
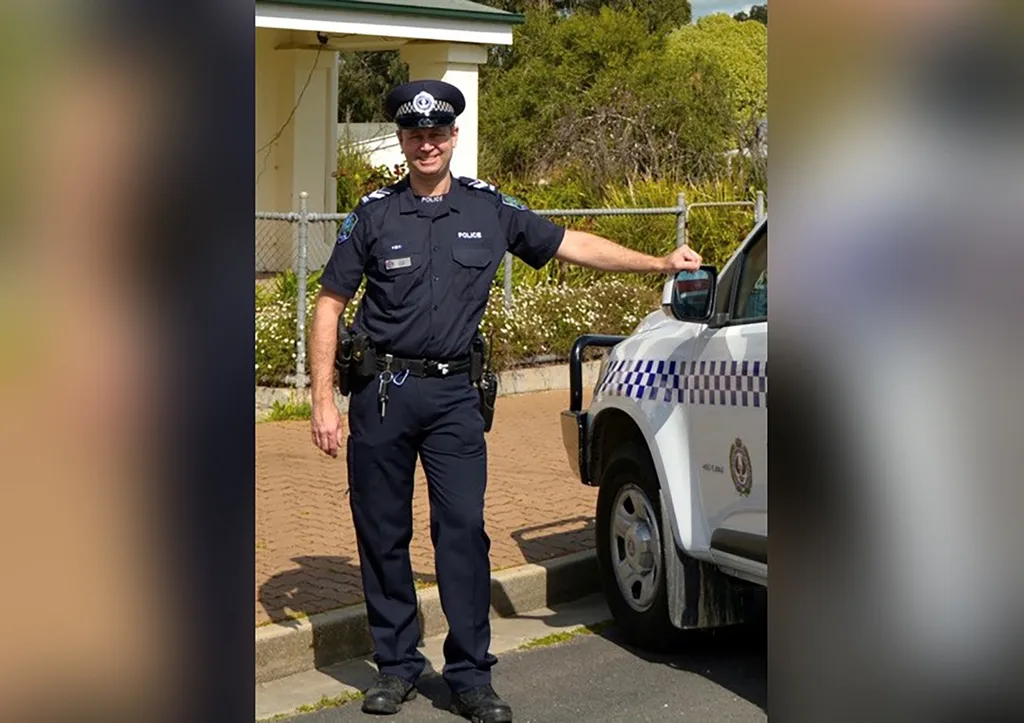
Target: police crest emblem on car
<point x="346" y="227"/>
<point x="739" y="467"/>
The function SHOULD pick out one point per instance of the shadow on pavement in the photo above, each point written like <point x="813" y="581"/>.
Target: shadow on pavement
<point x="735" y="658"/>
<point x="538" y="544"/>
<point x="320" y="584"/>
<point x="575" y="535"/>
<point x="309" y="588"/>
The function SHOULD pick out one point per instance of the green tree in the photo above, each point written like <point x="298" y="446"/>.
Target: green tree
<point x="741" y="50"/>
<point x="364" y="80"/>
<point x="549" y="78"/>
<point x="758" y="13"/>
<point x="661" y="15"/>
<point x="596" y="96"/>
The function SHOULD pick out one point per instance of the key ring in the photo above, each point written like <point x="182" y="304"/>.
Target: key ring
<point x="386" y="379"/>
<point x="404" y="375"/>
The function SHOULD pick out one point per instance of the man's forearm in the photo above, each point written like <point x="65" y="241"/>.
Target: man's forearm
<point x="323" y="343"/>
<point x="595" y="252"/>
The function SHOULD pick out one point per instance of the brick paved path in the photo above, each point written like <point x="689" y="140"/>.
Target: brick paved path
<point x="306" y="558"/>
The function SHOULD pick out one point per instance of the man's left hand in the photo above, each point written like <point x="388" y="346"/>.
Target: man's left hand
<point x="682" y="259"/>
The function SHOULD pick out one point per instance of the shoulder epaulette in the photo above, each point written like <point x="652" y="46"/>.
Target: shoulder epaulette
<point x="478" y="184"/>
<point x="376" y="195"/>
<point x="490" y="188"/>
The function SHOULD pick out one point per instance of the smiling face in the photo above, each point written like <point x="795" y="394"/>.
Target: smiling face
<point x="428" y="150"/>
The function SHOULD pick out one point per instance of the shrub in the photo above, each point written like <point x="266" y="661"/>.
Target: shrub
<point x="546" y="319"/>
<point x="713" y="232"/>
<point x="287" y="411"/>
<point x="356" y="177"/>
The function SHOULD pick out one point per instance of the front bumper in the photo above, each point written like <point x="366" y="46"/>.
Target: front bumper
<point x="574" y="437"/>
<point x="576" y="421"/>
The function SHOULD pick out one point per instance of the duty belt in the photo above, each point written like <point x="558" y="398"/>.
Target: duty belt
<point x="425" y="367"/>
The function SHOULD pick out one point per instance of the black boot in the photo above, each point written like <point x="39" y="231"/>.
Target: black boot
<point x="481" y="705"/>
<point x="387" y="695"/>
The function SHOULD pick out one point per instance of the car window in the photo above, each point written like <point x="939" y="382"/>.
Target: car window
<point x="752" y="289"/>
<point x="723" y="295"/>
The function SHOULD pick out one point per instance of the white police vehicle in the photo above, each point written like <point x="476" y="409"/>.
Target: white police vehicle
<point x="676" y="440"/>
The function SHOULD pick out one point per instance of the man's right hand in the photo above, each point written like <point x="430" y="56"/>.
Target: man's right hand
<point x="326" y="423"/>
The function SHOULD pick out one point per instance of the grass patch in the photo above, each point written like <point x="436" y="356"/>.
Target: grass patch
<point x="287" y="411"/>
<point x="556" y="638"/>
<point x="326" y="702"/>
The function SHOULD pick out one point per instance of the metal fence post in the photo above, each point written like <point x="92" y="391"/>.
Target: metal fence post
<point x="508" y="281"/>
<point x="680" y="219"/>
<point x="759" y="207"/>
<point x="301" y="379"/>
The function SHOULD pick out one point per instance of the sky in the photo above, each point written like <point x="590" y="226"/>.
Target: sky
<point x="706" y="7"/>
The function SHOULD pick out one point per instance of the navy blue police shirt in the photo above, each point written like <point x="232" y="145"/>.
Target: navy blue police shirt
<point x="429" y="264"/>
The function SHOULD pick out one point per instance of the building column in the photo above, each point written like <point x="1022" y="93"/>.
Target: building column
<point x="314" y="129"/>
<point x="458" y="64"/>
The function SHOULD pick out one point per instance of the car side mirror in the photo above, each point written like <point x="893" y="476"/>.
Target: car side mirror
<point x="693" y="294"/>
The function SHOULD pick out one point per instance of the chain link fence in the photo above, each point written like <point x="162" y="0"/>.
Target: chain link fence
<point x="302" y="241"/>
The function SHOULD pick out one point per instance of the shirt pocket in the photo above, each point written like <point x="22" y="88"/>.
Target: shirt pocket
<point x="473" y="274"/>
<point x="398" y="273"/>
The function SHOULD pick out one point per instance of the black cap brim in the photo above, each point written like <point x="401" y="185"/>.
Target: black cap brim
<point x="434" y="120"/>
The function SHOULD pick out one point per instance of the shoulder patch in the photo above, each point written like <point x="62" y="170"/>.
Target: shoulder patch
<point x="376" y="195"/>
<point x="513" y="202"/>
<point x="346" y="227"/>
<point x="478" y="184"/>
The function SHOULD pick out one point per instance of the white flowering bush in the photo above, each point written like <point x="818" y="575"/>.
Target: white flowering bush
<point x="545" y="320"/>
<point x="276" y="312"/>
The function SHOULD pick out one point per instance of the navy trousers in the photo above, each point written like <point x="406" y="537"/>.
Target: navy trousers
<point x="437" y="420"/>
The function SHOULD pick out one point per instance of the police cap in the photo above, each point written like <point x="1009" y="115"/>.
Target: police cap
<point x="424" y="104"/>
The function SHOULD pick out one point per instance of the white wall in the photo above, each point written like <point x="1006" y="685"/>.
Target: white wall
<point x="377" y="141"/>
<point x="296" y="101"/>
<point x="299" y="159"/>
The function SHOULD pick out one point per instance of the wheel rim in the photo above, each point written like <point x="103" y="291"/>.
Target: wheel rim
<point x="636" y="547"/>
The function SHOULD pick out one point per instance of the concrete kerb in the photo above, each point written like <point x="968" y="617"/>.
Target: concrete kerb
<point x="516" y="381"/>
<point x="291" y="647"/>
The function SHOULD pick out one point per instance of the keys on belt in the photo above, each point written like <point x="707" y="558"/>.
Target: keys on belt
<point x="386" y="377"/>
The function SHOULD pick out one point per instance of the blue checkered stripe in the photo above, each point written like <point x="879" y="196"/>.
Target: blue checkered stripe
<point x="722" y="383"/>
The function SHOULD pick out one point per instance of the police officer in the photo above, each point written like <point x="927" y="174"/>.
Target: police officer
<point x="428" y="247"/>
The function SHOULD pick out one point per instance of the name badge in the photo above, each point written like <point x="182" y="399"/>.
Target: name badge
<point x="391" y="264"/>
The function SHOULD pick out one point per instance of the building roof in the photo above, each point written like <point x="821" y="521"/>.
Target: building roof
<point x="455" y="9"/>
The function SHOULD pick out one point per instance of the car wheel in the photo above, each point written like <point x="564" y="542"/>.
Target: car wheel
<point x="630" y="548"/>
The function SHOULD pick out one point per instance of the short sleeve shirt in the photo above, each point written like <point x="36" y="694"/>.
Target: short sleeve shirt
<point x="430" y="264"/>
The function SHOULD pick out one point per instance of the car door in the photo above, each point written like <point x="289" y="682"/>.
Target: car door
<point x="726" y="385"/>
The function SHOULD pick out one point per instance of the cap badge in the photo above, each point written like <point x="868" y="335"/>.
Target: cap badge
<point x="423" y="102"/>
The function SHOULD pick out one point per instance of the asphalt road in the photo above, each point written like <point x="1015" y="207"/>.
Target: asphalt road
<point x="712" y="678"/>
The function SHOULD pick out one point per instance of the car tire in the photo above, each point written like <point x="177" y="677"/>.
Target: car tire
<point x="630" y="548"/>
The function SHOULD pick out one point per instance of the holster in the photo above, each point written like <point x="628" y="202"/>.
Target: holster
<point x="343" y="357"/>
<point x="485" y="380"/>
<point x="354" y="357"/>
<point x="488" y="387"/>
<point x="477" y="355"/>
